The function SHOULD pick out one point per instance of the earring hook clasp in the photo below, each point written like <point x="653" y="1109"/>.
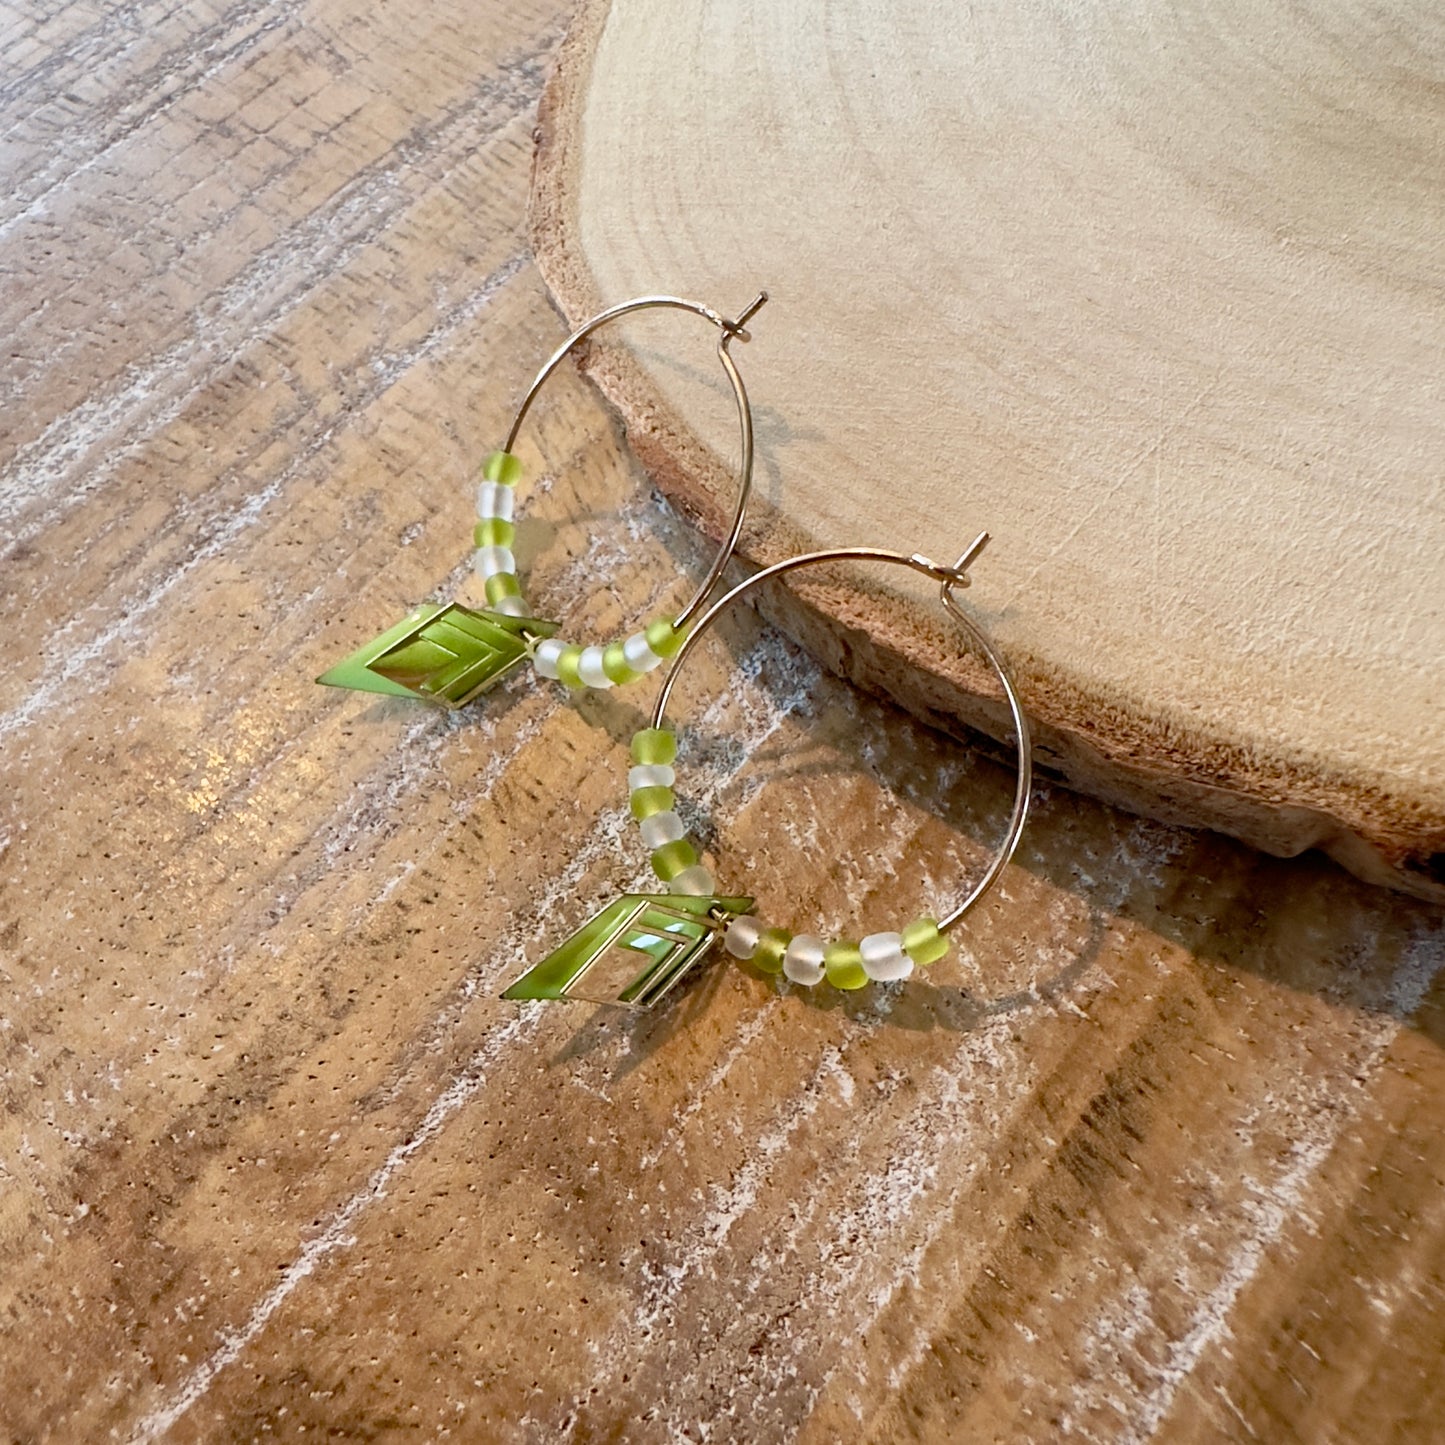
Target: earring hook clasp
<point x="738" y="327"/>
<point x="957" y="574"/>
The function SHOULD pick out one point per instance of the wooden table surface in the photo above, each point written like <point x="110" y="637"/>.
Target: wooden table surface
<point x="1155" y="1155"/>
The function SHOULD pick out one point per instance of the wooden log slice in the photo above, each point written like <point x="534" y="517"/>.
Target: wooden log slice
<point x="1154" y="294"/>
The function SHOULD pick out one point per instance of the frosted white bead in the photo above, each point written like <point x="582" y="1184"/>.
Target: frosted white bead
<point x="511" y="607"/>
<point x="741" y="938"/>
<point x="640" y="657"/>
<point x="589" y="668"/>
<point x="696" y="881"/>
<point x="662" y="828"/>
<point x="883" y="957"/>
<point x="803" y="962"/>
<point x="650" y="775"/>
<point x="494" y="501"/>
<point x="491" y="560"/>
<point x="546" y="655"/>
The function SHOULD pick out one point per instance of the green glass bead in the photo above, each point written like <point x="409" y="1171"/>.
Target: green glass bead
<point x="567" y="672"/>
<point x="502" y="584"/>
<point x="502" y="467"/>
<point x="494" y="532"/>
<point x="843" y="964"/>
<point x="654" y="745"/>
<point x="662" y="637"/>
<point x="614" y="664"/>
<point x="670" y="859"/>
<point x="647" y="801"/>
<point x="772" y="945"/>
<point x="923" y="943"/>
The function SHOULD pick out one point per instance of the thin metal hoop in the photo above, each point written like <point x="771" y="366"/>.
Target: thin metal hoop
<point x="734" y="329"/>
<point x="949" y="579"/>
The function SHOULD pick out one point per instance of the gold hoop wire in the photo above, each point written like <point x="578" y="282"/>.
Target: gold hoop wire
<point x="731" y="330"/>
<point x="950" y="579"/>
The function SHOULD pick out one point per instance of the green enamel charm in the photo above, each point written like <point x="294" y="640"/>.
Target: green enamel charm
<point x="635" y="952"/>
<point x="446" y="654"/>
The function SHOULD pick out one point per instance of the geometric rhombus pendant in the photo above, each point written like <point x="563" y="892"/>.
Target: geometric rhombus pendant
<point x="446" y="654"/>
<point x="635" y="952"/>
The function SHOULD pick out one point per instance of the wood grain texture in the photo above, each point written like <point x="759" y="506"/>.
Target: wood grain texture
<point x="1153" y="1156"/>
<point x="1153" y="295"/>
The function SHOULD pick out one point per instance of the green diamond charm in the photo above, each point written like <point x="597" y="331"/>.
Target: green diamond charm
<point x="635" y="952"/>
<point x="446" y="654"/>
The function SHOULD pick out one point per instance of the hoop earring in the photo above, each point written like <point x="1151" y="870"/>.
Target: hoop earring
<point x="449" y="654"/>
<point x="641" y="947"/>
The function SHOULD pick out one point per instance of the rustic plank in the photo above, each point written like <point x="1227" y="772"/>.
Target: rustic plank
<point x="1151" y="1157"/>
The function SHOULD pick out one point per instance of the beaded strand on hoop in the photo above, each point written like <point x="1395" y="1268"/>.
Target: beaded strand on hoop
<point x="450" y="654"/>
<point x="612" y="665"/>
<point x="806" y="958"/>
